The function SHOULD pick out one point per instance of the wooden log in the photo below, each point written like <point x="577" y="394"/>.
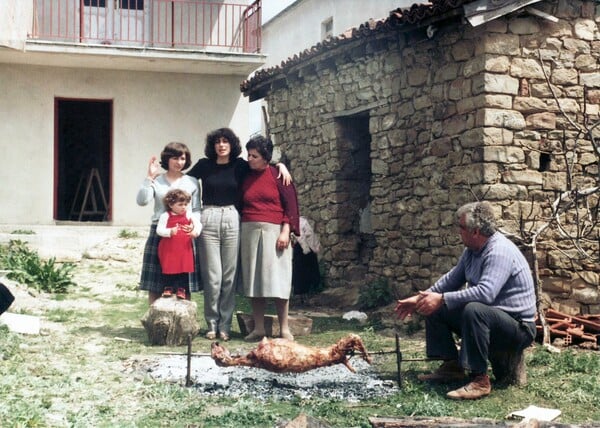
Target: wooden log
<point x="170" y="321"/>
<point x="509" y="367"/>
<point x="425" y="422"/>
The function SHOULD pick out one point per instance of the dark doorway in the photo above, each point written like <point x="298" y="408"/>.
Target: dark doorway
<point x="83" y="149"/>
<point x="354" y="178"/>
<point x="354" y="182"/>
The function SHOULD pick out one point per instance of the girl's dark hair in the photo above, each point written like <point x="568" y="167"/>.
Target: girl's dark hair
<point x="174" y="150"/>
<point x="176" y="195"/>
<point x="262" y="145"/>
<point x="213" y="137"/>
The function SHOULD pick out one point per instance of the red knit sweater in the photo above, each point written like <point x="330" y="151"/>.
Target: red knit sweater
<point x="261" y="200"/>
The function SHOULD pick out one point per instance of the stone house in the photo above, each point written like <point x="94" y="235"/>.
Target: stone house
<point x="304" y="23"/>
<point x="391" y="126"/>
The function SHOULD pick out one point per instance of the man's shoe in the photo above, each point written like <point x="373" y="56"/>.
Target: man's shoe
<point x="181" y="294"/>
<point x="449" y="371"/>
<point x="167" y="292"/>
<point x="478" y="387"/>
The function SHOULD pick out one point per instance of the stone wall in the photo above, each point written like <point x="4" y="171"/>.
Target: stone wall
<point x="466" y="114"/>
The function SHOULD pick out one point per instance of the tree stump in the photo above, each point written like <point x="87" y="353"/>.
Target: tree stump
<point x="169" y="321"/>
<point x="508" y="367"/>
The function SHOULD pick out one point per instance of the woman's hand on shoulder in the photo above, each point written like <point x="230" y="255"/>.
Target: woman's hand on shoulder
<point x="284" y="174"/>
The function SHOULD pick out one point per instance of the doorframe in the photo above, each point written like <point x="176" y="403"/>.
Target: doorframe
<point x="56" y="177"/>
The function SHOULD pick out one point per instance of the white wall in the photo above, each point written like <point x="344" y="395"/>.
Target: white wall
<point x="149" y="110"/>
<point x="298" y="27"/>
<point x="15" y="20"/>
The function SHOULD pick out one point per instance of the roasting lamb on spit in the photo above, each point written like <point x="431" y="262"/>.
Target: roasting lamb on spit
<point x="287" y="356"/>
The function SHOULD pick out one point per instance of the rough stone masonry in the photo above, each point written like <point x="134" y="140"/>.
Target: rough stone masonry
<point x="388" y="131"/>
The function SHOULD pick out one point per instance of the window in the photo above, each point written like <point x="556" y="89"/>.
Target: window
<point x="123" y="4"/>
<point x="327" y="28"/>
<point x="94" y="3"/>
<point x="132" y="4"/>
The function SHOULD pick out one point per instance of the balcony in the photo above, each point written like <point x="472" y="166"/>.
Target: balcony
<point x="180" y="25"/>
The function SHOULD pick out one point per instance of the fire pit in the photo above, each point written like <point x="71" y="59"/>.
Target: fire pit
<point x="335" y="382"/>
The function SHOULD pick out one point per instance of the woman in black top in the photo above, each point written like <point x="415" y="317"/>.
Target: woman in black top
<point x="221" y="173"/>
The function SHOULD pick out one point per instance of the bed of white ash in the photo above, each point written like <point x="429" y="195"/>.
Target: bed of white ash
<point x="334" y="382"/>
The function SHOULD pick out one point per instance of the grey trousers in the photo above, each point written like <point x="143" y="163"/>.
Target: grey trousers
<point x="482" y="329"/>
<point x="218" y="252"/>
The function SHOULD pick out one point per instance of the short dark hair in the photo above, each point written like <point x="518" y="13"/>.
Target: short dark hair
<point x="213" y="137"/>
<point x="263" y="145"/>
<point x="176" y="195"/>
<point x="174" y="150"/>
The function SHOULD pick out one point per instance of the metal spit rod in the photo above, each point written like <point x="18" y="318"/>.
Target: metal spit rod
<point x="397" y="351"/>
<point x="400" y="359"/>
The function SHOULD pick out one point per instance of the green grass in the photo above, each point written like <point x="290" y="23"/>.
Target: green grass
<point x="84" y="377"/>
<point x="128" y="234"/>
<point x="22" y="232"/>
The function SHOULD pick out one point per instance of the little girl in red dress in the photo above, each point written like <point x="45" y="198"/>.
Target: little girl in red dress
<point x="177" y="227"/>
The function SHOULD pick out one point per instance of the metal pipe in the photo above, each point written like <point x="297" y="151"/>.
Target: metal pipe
<point x="193" y="354"/>
<point x="398" y="361"/>
<point x="188" y="377"/>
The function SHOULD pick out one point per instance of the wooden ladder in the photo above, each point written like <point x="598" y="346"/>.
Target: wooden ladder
<point x="93" y="189"/>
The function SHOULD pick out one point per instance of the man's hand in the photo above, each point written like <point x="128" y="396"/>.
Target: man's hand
<point x="406" y="307"/>
<point x="428" y="302"/>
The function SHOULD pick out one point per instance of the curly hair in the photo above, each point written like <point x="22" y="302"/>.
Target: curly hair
<point x="176" y="195"/>
<point x="262" y="145"/>
<point x="478" y="215"/>
<point x="174" y="150"/>
<point x="213" y="137"/>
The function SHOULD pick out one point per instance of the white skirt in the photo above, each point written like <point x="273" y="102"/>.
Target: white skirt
<point x="266" y="272"/>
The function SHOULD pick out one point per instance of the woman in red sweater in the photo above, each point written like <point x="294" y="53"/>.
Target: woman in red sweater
<point x="269" y="215"/>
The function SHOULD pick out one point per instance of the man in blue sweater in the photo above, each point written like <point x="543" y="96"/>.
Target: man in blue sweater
<point x="495" y="310"/>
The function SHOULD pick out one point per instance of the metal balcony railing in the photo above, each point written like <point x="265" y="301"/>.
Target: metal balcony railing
<point x="177" y="24"/>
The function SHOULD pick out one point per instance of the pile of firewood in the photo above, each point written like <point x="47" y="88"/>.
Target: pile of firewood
<point x="581" y="330"/>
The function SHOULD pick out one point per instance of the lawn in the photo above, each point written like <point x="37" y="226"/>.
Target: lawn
<point x="83" y="371"/>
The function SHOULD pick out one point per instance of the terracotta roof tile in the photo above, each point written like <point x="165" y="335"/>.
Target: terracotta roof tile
<point x="396" y="19"/>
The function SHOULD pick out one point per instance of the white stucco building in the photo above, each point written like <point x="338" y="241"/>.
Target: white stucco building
<point x="90" y="93"/>
<point x="305" y="23"/>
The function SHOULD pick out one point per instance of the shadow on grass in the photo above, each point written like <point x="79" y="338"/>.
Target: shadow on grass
<point x="134" y="334"/>
<point x="325" y="324"/>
